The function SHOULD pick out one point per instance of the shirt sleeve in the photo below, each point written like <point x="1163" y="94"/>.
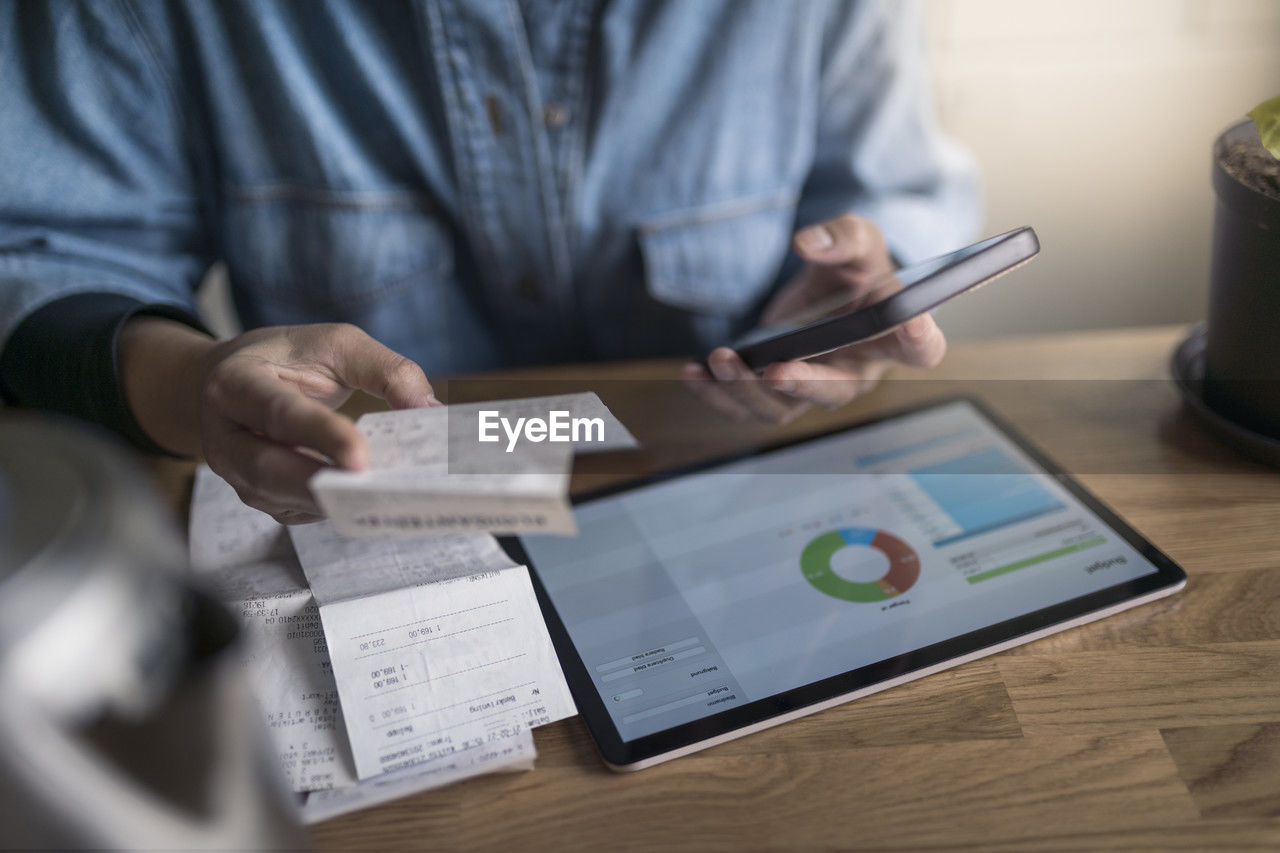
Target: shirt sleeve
<point x="880" y="152"/>
<point x="79" y="377"/>
<point x="97" y="198"/>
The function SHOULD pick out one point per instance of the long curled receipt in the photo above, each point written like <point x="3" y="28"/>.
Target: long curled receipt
<point x="496" y="749"/>
<point x="246" y="558"/>
<point x="464" y="666"/>
<point x="500" y="467"/>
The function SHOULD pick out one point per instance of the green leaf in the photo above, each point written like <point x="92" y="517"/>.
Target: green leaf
<point x="1266" y="116"/>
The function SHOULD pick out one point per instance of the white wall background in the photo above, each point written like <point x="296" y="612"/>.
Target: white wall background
<point x="1093" y="121"/>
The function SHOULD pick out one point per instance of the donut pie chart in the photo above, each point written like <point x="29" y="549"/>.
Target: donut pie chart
<point x="904" y="564"/>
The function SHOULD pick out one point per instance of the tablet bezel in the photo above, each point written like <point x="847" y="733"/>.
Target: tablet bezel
<point x="816" y="696"/>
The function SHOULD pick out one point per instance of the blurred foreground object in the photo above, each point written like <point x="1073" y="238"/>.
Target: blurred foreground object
<point x="125" y="722"/>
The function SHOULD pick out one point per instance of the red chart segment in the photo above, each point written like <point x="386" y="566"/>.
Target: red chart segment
<point x="904" y="563"/>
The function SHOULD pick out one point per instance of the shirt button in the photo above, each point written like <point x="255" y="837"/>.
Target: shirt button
<point x="494" y="110"/>
<point x="555" y="115"/>
<point x="529" y="289"/>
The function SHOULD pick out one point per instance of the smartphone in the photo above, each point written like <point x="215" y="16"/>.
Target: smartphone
<point x="916" y="290"/>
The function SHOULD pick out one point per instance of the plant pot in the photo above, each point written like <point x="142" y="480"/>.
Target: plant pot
<point x="1242" y="352"/>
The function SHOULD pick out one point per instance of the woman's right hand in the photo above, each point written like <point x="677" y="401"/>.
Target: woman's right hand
<point x="260" y="407"/>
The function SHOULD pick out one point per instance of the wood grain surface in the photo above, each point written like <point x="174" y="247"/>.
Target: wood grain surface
<point x="1157" y="729"/>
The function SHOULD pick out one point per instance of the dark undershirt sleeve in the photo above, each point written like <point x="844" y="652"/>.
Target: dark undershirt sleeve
<point x="62" y="358"/>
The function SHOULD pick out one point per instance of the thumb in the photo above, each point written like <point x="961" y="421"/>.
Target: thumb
<point x="361" y="362"/>
<point x="847" y="240"/>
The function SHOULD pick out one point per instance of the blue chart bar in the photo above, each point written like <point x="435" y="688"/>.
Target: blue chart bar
<point x="984" y="491"/>
<point x="914" y="447"/>
<point x="857" y="535"/>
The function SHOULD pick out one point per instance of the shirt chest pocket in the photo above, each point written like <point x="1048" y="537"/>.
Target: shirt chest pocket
<point x="334" y="253"/>
<point x="717" y="259"/>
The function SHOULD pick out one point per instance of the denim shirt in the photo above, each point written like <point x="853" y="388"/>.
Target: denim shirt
<point x="474" y="182"/>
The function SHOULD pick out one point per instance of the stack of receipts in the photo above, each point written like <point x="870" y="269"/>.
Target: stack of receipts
<point x="501" y="467"/>
<point x="383" y="666"/>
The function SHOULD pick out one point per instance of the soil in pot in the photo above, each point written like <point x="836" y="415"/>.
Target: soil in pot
<point x="1252" y="165"/>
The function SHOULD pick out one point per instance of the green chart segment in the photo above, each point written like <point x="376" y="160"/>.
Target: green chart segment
<point x="1038" y="558"/>
<point x="904" y="564"/>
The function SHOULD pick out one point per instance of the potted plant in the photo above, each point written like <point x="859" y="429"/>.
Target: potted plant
<point x="1241" y="345"/>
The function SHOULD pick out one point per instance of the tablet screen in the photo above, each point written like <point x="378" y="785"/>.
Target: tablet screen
<point x="701" y="593"/>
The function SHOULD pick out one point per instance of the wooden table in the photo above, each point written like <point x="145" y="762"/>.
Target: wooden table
<point x="1155" y="729"/>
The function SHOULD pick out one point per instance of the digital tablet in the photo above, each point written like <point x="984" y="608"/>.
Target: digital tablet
<point x="702" y="605"/>
<point x="912" y="291"/>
